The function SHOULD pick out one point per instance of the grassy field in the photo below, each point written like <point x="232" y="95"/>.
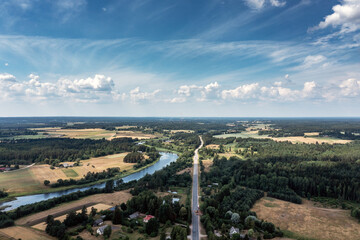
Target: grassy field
<point x="24" y="233"/>
<point x="307" y="221"/>
<point x="20" y="181"/>
<point x="31" y="180"/>
<point x="70" y="173"/>
<point x="93" y="133"/>
<point x="43" y="172"/>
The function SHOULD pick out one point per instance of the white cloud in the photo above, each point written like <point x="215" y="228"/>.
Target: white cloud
<point x="350" y="88"/>
<point x="259" y="4"/>
<point x="241" y="92"/>
<point x="345" y="15"/>
<point x="137" y="96"/>
<point x="201" y="93"/>
<point x="96" y="89"/>
<point x="98" y="83"/>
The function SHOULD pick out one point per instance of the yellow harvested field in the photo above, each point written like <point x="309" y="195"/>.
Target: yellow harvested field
<point x="111" y="199"/>
<point x="94" y="133"/>
<point x="132" y="134"/>
<point x="43" y="172"/>
<point x="307" y="220"/>
<point x="100" y="206"/>
<point x="311" y="134"/>
<point x="207" y="164"/>
<point x="24" y="233"/>
<point x="20" y="181"/>
<point x="311" y="140"/>
<point x="213" y="146"/>
<point x="182" y="131"/>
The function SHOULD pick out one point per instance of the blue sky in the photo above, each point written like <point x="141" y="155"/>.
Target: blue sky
<point x="276" y="58"/>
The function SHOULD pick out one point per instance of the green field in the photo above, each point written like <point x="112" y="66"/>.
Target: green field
<point x="70" y="172"/>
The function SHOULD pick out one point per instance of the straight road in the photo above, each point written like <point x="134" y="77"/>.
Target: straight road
<point x="195" y="235"/>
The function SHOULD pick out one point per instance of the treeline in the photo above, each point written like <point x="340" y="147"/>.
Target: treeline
<point x="88" y="178"/>
<point x="55" y="150"/>
<point x="3" y="194"/>
<point x="298" y="127"/>
<point x="8" y="133"/>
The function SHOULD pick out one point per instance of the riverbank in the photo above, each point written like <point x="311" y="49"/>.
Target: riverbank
<point x="48" y="189"/>
<point x="135" y="174"/>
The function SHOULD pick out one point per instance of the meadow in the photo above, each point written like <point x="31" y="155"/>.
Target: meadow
<point x="30" y="180"/>
<point x="308" y="221"/>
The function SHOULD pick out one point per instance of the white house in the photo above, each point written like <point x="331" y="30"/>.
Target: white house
<point x="101" y="230"/>
<point x="234" y="230"/>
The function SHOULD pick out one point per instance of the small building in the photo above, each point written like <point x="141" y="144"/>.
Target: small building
<point x="98" y="222"/>
<point x="134" y="215"/>
<point x="233" y="230"/>
<point x="175" y="200"/>
<point x="65" y="165"/>
<point x="147" y="218"/>
<point x="101" y="230"/>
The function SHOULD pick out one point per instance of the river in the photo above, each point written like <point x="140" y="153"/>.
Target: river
<point x="165" y="160"/>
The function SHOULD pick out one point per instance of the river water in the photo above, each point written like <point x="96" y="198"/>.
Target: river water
<point x="165" y="160"/>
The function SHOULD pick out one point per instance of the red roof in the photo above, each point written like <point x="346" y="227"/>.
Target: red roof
<point x="148" y="217"/>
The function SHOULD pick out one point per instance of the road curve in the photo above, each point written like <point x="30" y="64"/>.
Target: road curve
<point x="195" y="235"/>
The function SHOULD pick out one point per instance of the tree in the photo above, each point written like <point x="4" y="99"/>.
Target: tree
<point x="117" y="217"/>
<point x="46" y="182"/>
<point x="178" y="233"/>
<point x="183" y="213"/>
<point x="235" y="218"/>
<point x="123" y="206"/>
<point x="162" y="235"/>
<point x="109" y="186"/>
<point x="107" y="232"/>
<point x="152" y="226"/>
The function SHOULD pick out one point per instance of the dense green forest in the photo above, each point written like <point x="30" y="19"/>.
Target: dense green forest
<point x="55" y="150"/>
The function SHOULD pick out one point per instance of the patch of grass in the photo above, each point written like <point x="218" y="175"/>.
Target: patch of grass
<point x="270" y="205"/>
<point x="70" y="172"/>
<point x="296" y="236"/>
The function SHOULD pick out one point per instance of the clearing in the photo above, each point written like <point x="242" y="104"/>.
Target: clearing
<point x="309" y="221"/>
<point x="207" y="164"/>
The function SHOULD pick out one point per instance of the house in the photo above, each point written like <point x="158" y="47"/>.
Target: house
<point x="98" y="222"/>
<point x="174" y="200"/>
<point x="100" y="230"/>
<point x="65" y="165"/>
<point x="233" y="230"/>
<point x="134" y="215"/>
<point x="147" y="218"/>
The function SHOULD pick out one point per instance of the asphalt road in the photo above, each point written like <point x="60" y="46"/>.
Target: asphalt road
<point x="195" y="235"/>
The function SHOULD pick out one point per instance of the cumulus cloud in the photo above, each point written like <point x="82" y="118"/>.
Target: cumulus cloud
<point x="350" y="88"/>
<point x="346" y="15"/>
<point x="241" y="92"/>
<point x="89" y="89"/>
<point x="200" y="93"/>
<point x="137" y="96"/>
<point x="259" y="4"/>
<point x="275" y="92"/>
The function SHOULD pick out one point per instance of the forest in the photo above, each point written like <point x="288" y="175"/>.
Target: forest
<point x="55" y="150"/>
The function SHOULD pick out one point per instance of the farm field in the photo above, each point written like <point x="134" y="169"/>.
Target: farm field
<point x="20" y="181"/>
<point x="100" y="206"/>
<point x="111" y="199"/>
<point x="305" y="139"/>
<point x="92" y="133"/>
<point x="308" y="221"/>
<point x="43" y="172"/>
<point x="29" y="180"/>
<point x="24" y="233"/>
